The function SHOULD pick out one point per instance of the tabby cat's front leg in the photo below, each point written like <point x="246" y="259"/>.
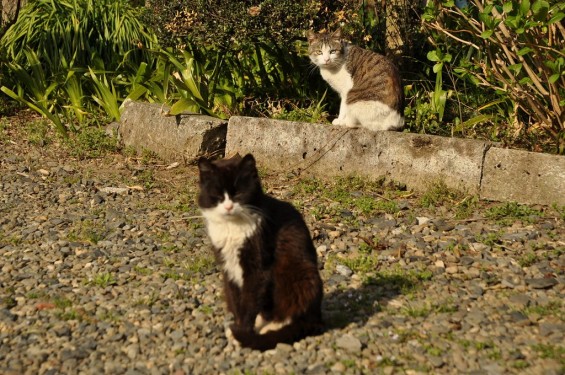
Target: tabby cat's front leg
<point x="341" y="119"/>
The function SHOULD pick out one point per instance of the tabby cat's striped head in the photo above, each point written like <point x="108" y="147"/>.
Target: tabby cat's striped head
<point x="326" y="50"/>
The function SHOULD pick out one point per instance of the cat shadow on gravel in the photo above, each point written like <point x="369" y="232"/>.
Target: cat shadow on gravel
<point x="356" y="305"/>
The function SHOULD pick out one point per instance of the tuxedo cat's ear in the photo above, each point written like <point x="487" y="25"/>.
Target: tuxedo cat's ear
<point x="205" y="165"/>
<point x="248" y="161"/>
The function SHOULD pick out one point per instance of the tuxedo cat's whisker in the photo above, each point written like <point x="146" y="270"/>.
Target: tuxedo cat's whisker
<point x="183" y="218"/>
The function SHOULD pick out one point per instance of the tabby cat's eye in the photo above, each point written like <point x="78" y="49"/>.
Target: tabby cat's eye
<point x="333" y="52"/>
<point x="319" y="52"/>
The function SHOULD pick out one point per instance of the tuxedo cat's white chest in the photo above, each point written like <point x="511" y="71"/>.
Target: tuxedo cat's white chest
<point x="339" y="79"/>
<point x="229" y="236"/>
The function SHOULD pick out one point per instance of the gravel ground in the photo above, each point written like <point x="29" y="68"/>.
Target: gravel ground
<point x="104" y="268"/>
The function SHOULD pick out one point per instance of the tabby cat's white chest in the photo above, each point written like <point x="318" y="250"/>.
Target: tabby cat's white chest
<point x="339" y="79"/>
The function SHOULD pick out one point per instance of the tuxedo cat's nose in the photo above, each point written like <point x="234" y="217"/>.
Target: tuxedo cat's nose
<point x="228" y="206"/>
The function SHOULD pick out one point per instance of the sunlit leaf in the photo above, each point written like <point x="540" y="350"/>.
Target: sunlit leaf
<point x="432" y="56"/>
<point x="540" y="9"/>
<point x="524" y="51"/>
<point x="553" y="78"/>
<point x="183" y="105"/>
<point x="556" y="18"/>
<point x="486" y="34"/>
<point x="524" y="6"/>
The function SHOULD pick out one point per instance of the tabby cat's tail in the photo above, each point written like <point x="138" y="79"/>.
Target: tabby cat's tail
<point x="288" y="334"/>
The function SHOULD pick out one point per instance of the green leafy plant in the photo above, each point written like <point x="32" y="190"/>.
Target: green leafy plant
<point x="104" y="279"/>
<point x="513" y="48"/>
<point x="63" y="59"/>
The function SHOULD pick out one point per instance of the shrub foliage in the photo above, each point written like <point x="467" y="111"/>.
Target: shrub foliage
<point x="514" y="49"/>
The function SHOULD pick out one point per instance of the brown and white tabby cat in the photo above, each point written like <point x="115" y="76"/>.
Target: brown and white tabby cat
<point x="271" y="281"/>
<point x="368" y="83"/>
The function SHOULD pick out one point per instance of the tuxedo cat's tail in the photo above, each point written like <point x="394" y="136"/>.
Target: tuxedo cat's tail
<point x="288" y="334"/>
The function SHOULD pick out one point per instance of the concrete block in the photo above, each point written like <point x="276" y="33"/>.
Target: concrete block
<point x="523" y="177"/>
<point x="325" y="150"/>
<point x="172" y="138"/>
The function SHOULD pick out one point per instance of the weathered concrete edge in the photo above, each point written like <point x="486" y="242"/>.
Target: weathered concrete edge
<point x="146" y="126"/>
<point x="524" y="177"/>
<point x="476" y="167"/>
<point x="463" y="164"/>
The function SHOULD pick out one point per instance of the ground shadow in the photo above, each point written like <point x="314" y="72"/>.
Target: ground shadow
<point x="356" y="305"/>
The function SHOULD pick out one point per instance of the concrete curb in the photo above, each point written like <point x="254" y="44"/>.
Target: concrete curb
<point x="145" y="126"/>
<point x="411" y="159"/>
<point x="417" y="160"/>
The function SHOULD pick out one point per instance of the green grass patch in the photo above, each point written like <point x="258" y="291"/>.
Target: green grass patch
<point x="508" y="212"/>
<point x="553" y="308"/>
<point x="551" y="351"/>
<point x="91" y="142"/>
<point x="87" y="231"/>
<point x="201" y="264"/>
<point x="144" y="271"/>
<point x="4" y="125"/>
<point x="520" y="364"/>
<point x="560" y="210"/>
<point x="37" y="132"/>
<point x="438" y="194"/>
<point x="104" y="279"/>
<point x="528" y="259"/>
<point x="360" y="264"/>
<point x="490" y="239"/>
<point x="315" y="112"/>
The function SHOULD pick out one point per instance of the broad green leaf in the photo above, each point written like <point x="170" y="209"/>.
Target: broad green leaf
<point x="183" y="105"/>
<point x="524" y="6"/>
<point x="540" y="9"/>
<point x="525" y="81"/>
<point x="432" y="56"/>
<point x="490" y="104"/>
<point x="437" y="67"/>
<point x="507" y="7"/>
<point x="516" y="68"/>
<point x="449" y="4"/>
<point x="554" y="78"/>
<point x="524" y="51"/>
<point x="486" y="34"/>
<point x="37" y="107"/>
<point x="556" y="18"/>
<point x="473" y="121"/>
<point x="137" y="92"/>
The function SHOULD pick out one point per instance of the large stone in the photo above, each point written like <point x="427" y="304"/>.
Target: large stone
<point x="413" y="159"/>
<point x="524" y="177"/>
<point x="183" y="137"/>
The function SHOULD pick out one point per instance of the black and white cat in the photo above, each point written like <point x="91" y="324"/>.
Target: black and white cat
<point x="271" y="281"/>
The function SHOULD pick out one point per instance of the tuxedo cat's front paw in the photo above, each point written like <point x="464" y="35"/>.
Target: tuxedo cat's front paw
<point x="231" y="338"/>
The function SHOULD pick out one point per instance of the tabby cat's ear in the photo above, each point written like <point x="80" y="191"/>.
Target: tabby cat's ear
<point x="336" y="34"/>
<point x="311" y="35"/>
